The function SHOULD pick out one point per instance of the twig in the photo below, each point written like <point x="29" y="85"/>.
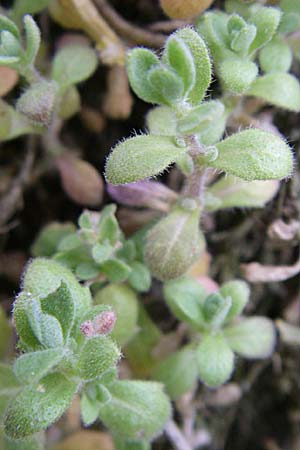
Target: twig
<point x="176" y="436"/>
<point x="10" y="201"/>
<point x="167" y="26"/>
<point x="126" y="29"/>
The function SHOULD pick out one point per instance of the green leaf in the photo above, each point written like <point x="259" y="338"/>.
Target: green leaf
<point x="184" y="297"/>
<point x="276" y="56"/>
<point x="215" y="309"/>
<point x="178" y="55"/>
<point x="44" y="276"/>
<point x="138" y="409"/>
<point x="178" y="372"/>
<point x="140" y="277"/>
<point x="87" y="271"/>
<point x="167" y="83"/>
<point x="141" y="157"/>
<point x="237" y="74"/>
<point x="36" y="442"/>
<point x="89" y="410"/>
<point x="252" y="338"/>
<point x="124" y="303"/>
<point x="174" y="244"/>
<point x="279" y="89"/>
<point x="230" y="192"/>
<point x="47" y="241"/>
<point x="102" y="252"/>
<point x="266" y="21"/>
<point x="242" y="39"/>
<point x="9" y="25"/>
<point x="60" y="304"/>
<point x="162" y="121"/>
<point x="73" y="64"/>
<point x="139" y="62"/>
<point x="215" y="360"/>
<point x="9" y="384"/>
<point x="239" y="293"/>
<point x="116" y="270"/>
<point x="97" y="356"/>
<point x="202" y="63"/>
<point x="108" y="228"/>
<point x="33" y="40"/>
<point x="200" y="117"/>
<point x="31" y="367"/>
<point x="38" y="406"/>
<point x="254" y="155"/>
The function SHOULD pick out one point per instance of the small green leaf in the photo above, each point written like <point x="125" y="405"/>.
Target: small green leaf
<point x="174" y="244"/>
<point x="38" y="406"/>
<point x="43" y="276"/>
<point x="184" y="297"/>
<point x="202" y="63"/>
<point x="178" y="372"/>
<point x="9" y="25"/>
<point x="254" y="155"/>
<point x="116" y="270"/>
<point x="108" y="227"/>
<point x="89" y="410"/>
<point x="239" y="293"/>
<point x="237" y="74"/>
<point x="124" y="303"/>
<point x="140" y="277"/>
<point x="215" y="310"/>
<point x="178" y="55"/>
<point x="167" y="83"/>
<point x="87" y="271"/>
<point x="139" y="62"/>
<point x="102" y="252"/>
<point x="200" y="117"/>
<point x="141" y="157"/>
<point x="33" y="40"/>
<point x="47" y="241"/>
<point x="252" y="338"/>
<point x="97" y="356"/>
<point x="243" y="39"/>
<point x="230" y="192"/>
<point x="9" y="384"/>
<point x="60" y="304"/>
<point x="279" y="89"/>
<point x="276" y="56"/>
<point x="138" y="409"/>
<point x="73" y="64"/>
<point x="162" y="121"/>
<point x="215" y="360"/>
<point x="31" y="367"/>
<point x="266" y="21"/>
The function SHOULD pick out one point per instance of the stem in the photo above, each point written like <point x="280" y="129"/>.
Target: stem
<point x="176" y="436"/>
<point x="129" y="31"/>
<point x="195" y="185"/>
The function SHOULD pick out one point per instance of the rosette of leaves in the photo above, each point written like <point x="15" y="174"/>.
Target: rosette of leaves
<point x="44" y="97"/>
<point x="236" y="39"/>
<point x="186" y="130"/>
<point x="223" y="333"/>
<point x="67" y="350"/>
<point x="96" y="250"/>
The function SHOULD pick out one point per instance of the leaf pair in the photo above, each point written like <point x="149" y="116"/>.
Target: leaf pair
<point x="182" y="75"/>
<point x="212" y="315"/>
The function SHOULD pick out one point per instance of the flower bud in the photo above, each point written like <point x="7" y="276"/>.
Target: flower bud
<point x="145" y="194"/>
<point x="174" y="244"/>
<point x="80" y="180"/>
<point x="38" y="102"/>
<point x="105" y="322"/>
<point x="184" y="9"/>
